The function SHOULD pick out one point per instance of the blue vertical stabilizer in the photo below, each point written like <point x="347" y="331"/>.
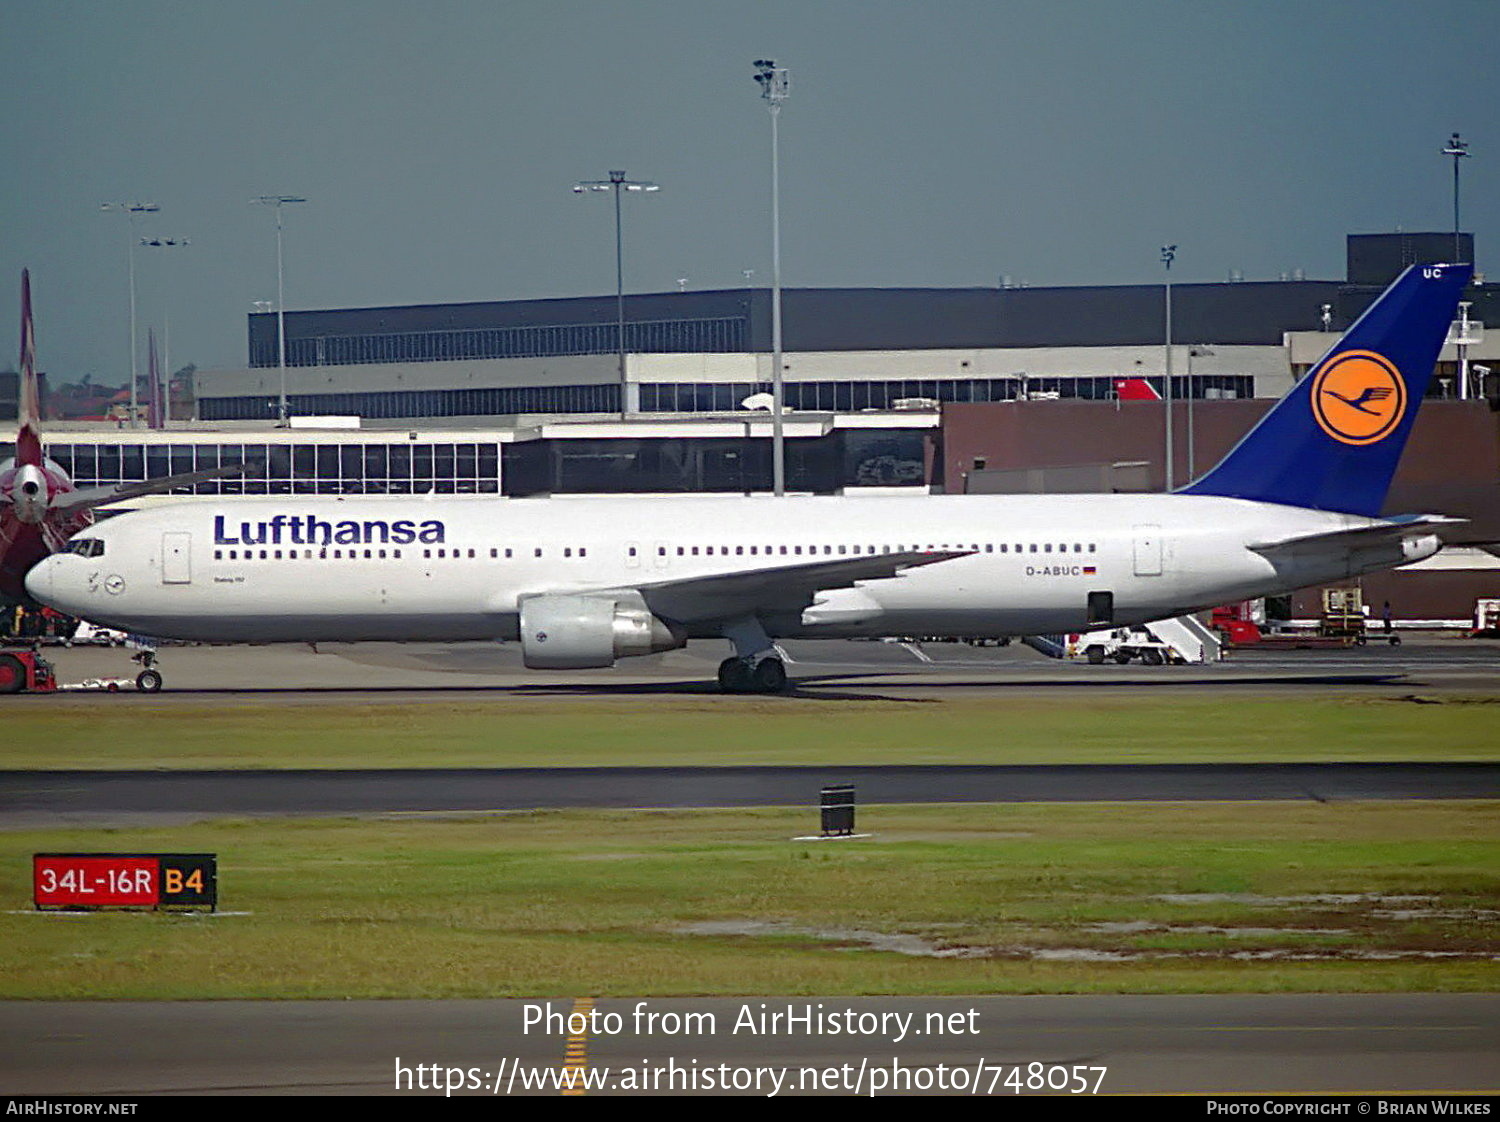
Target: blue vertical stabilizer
<point x="1333" y="442"/>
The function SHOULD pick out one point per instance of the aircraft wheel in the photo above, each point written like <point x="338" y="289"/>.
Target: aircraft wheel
<point x="12" y="674"/>
<point x="148" y="681"/>
<point x="1395" y="640"/>
<point x="734" y="676"/>
<point x="1095" y="655"/>
<point x="770" y="676"/>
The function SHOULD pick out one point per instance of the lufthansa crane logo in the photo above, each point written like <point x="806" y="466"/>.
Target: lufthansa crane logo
<point x="1358" y="397"/>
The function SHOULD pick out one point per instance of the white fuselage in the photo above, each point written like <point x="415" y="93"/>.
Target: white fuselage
<point x="308" y="570"/>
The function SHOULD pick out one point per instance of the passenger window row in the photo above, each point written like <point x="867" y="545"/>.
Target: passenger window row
<point x="324" y="553"/>
<point x="95" y="548"/>
<point x="825" y="550"/>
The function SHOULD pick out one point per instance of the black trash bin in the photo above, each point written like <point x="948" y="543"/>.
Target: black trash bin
<point x="838" y="810"/>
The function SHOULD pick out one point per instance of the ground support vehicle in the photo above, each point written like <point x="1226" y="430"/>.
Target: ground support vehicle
<point x="24" y="670"/>
<point x="1486" y="619"/>
<point x="1122" y="645"/>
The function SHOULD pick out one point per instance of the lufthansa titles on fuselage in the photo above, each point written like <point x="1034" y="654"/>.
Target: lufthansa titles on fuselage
<point x="308" y="529"/>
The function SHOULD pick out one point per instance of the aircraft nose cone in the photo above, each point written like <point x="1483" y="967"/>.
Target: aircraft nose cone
<point x="39" y="580"/>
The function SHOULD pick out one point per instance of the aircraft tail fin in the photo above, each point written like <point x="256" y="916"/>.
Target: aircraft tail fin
<point x="1135" y="389"/>
<point x="29" y="438"/>
<point x="155" y="414"/>
<point x="1333" y="442"/>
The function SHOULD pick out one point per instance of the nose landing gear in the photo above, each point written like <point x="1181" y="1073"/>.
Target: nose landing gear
<point x="149" y="680"/>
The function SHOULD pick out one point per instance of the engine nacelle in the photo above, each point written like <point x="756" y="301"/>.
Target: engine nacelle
<point x="29" y="494"/>
<point x="586" y="632"/>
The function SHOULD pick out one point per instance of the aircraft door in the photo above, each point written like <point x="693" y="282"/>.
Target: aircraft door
<point x="1148" y="551"/>
<point x="661" y="554"/>
<point x="176" y="553"/>
<point x="632" y="555"/>
<point x="1101" y="609"/>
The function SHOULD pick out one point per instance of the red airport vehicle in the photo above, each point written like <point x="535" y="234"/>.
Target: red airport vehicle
<point x="23" y="670"/>
<point x="1234" y="622"/>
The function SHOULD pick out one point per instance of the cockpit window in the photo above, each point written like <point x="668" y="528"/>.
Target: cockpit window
<point x="85" y="547"/>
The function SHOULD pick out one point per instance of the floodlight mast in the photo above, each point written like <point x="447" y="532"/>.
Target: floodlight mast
<point x="617" y="183"/>
<point x="132" y="209"/>
<point x="1168" y="255"/>
<point x="775" y="86"/>
<point x="1458" y="148"/>
<point x="278" y="201"/>
<point x="166" y="243"/>
<point x="1192" y="456"/>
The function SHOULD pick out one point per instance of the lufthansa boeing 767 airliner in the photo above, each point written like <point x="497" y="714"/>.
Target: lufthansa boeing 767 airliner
<point x="583" y="582"/>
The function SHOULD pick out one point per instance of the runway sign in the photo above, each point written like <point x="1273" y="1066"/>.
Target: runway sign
<point x="84" y="881"/>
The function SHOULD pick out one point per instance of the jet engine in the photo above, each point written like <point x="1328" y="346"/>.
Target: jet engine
<point x="29" y="494"/>
<point x="585" y="632"/>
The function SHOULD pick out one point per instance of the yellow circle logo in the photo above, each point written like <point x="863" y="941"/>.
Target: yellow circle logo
<point x="1358" y="397"/>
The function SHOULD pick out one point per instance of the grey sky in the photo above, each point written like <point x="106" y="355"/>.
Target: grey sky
<point x="940" y="144"/>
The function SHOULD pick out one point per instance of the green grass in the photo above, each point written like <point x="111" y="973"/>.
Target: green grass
<point x="571" y="903"/>
<point x="1039" y="727"/>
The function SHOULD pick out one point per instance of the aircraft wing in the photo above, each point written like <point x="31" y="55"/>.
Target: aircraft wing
<point x="87" y="498"/>
<point x="782" y="589"/>
<point x="1391" y="531"/>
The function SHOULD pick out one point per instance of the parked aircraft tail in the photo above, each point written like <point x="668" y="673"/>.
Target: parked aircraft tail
<point x="29" y="437"/>
<point x="1334" y="441"/>
<point x="1135" y="389"/>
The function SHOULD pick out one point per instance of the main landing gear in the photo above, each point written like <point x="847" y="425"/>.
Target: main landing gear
<point x="739" y="675"/>
<point x="755" y="666"/>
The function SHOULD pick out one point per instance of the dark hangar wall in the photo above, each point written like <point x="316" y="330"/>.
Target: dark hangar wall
<point x="862" y="319"/>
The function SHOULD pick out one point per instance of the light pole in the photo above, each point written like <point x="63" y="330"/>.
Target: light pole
<point x="775" y="85"/>
<point x="1168" y="254"/>
<point x="279" y="201"/>
<point x="1462" y="334"/>
<point x="1458" y="148"/>
<point x="1192" y="457"/>
<point x="132" y="209"/>
<point x="166" y="243"/>
<point x="617" y="183"/>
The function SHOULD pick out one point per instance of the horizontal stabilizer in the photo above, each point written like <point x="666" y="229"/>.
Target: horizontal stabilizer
<point x="1390" y="531"/>
<point x="87" y="498"/>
